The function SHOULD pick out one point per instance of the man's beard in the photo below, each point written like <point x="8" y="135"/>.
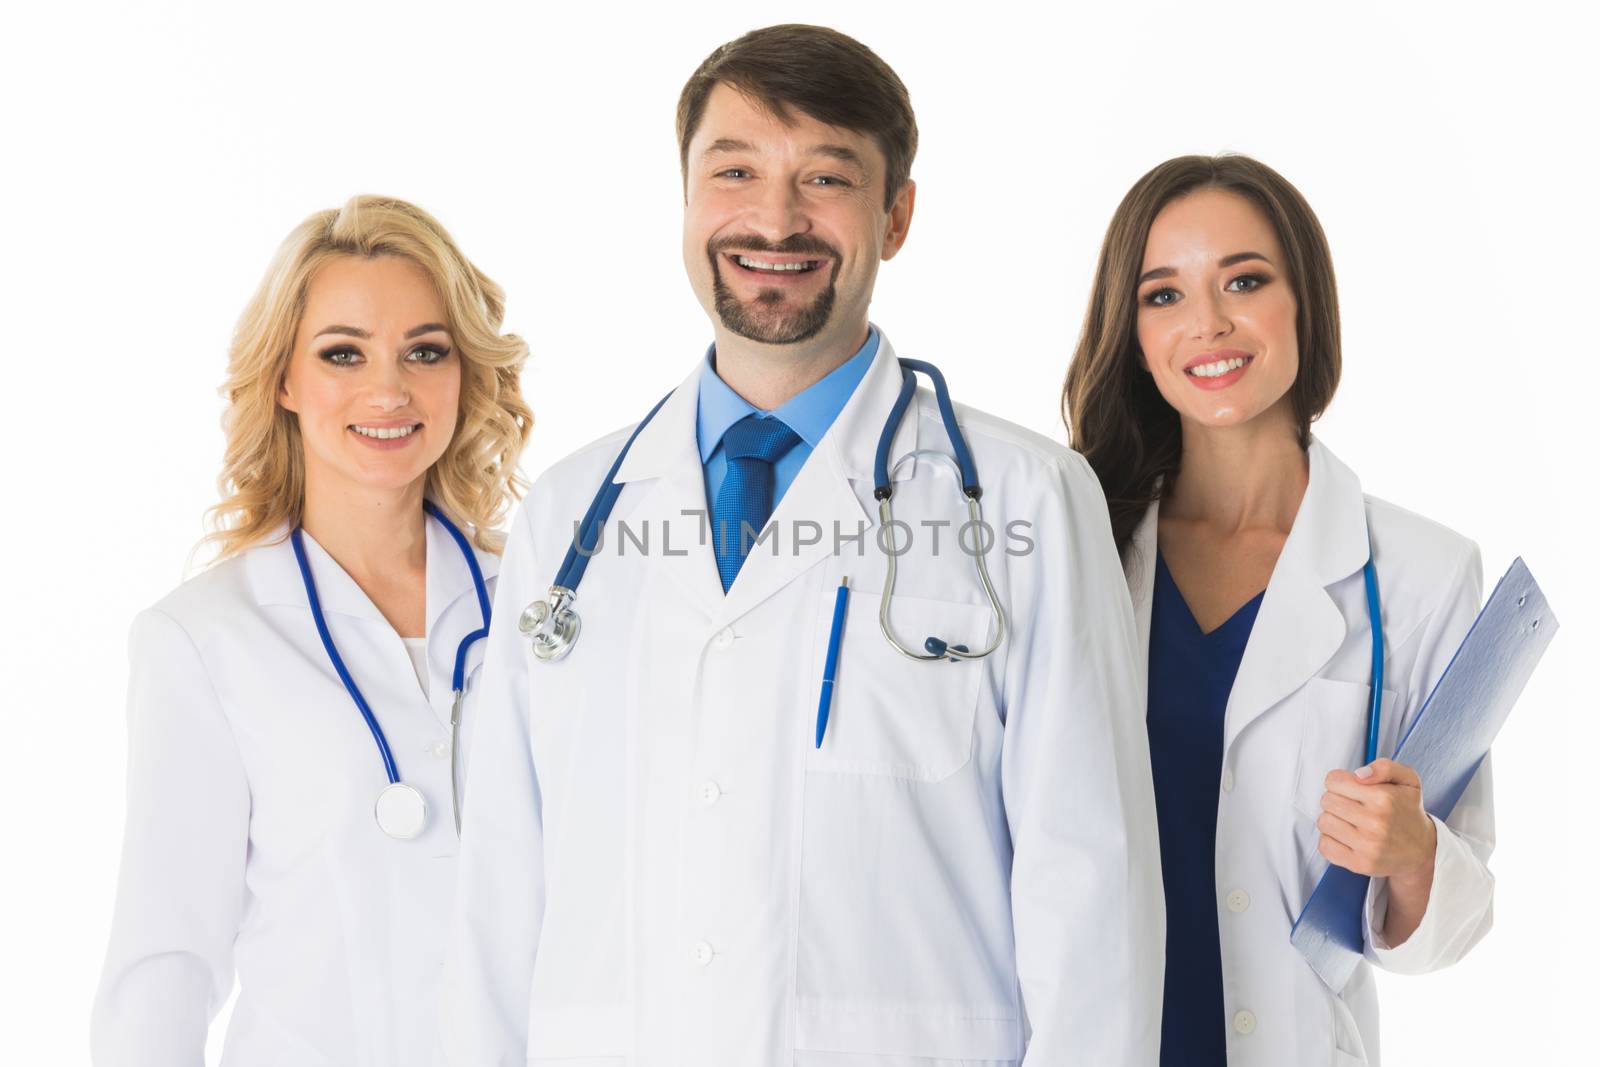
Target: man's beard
<point x="760" y="320"/>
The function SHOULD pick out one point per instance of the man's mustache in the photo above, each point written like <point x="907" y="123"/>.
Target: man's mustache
<point x="797" y="245"/>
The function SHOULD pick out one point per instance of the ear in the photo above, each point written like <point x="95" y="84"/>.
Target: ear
<point x="286" y="399"/>
<point x="899" y="221"/>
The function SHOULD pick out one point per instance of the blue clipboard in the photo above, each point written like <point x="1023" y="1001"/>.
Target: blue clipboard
<point x="1446" y="741"/>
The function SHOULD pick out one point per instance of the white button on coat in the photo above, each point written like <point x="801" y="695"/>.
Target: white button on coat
<point x="1298" y="709"/>
<point x="1244" y="1022"/>
<point x="723" y="640"/>
<point x="250" y="842"/>
<point x="703" y="953"/>
<point x="1238" y="901"/>
<point x="930" y="816"/>
<point x="710" y="792"/>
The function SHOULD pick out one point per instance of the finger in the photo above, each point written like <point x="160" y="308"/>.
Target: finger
<point x="1346" y="784"/>
<point x="1351" y="811"/>
<point x="1381" y="771"/>
<point x="1337" y="852"/>
<point x="1341" y="830"/>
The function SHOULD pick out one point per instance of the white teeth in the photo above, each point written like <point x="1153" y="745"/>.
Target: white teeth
<point x="386" y="433"/>
<point x="757" y="264"/>
<point x="1217" y="369"/>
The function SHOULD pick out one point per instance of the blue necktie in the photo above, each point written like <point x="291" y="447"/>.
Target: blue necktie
<point x="751" y="446"/>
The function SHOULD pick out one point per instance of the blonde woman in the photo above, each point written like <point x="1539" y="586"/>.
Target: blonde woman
<point x="291" y="767"/>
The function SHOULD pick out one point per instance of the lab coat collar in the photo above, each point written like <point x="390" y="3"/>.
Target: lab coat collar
<point x="275" y="576"/>
<point x="1299" y="627"/>
<point x="822" y="492"/>
<point x="664" y="443"/>
<point x="667" y="451"/>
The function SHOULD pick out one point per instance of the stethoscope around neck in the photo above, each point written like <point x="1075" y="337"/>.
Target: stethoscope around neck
<point x="400" y="810"/>
<point x="552" y="624"/>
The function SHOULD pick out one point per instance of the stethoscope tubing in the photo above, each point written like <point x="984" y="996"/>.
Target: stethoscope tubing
<point x="458" y="676"/>
<point x="544" y="622"/>
<point x="582" y="547"/>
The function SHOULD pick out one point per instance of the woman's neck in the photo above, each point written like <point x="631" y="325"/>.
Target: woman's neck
<point x="1235" y="478"/>
<point x="379" y="537"/>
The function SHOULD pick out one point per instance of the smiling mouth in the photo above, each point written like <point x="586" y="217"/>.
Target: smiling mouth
<point x="758" y="265"/>
<point x="1219" y="368"/>
<point x="387" y="433"/>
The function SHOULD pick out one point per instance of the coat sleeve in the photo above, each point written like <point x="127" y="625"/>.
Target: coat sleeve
<point x="499" y="903"/>
<point x="1087" y="903"/>
<point x="181" y="891"/>
<point x="1461" y="903"/>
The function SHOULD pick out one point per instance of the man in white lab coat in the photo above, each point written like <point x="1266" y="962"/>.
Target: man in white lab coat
<point x="669" y="858"/>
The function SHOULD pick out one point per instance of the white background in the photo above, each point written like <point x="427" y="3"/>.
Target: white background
<point x="155" y="154"/>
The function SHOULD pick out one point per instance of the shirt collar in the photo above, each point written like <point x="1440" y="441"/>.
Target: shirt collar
<point x="808" y="414"/>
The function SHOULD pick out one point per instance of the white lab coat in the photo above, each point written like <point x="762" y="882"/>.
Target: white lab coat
<point x="251" y="845"/>
<point x="1298" y="709"/>
<point x="660" y="868"/>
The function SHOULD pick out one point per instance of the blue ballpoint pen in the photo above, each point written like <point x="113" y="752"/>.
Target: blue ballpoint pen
<point x="830" y="665"/>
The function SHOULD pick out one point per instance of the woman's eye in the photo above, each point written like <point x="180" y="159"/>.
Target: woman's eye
<point x="1161" y="298"/>
<point x="342" y="356"/>
<point x="1245" y="283"/>
<point x="428" y="354"/>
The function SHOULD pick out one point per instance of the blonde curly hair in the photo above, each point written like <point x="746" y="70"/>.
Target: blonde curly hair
<point x="263" y="474"/>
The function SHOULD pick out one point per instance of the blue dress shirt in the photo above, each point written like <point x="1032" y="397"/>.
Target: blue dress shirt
<point x="808" y="414"/>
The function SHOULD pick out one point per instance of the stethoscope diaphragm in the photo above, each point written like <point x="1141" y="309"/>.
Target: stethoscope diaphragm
<point x="401" y="812"/>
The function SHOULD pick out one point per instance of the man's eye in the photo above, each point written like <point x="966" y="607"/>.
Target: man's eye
<point x="1161" y="298"/>
<point x="342" y="356"/>
<point x="830" y="179"/>
<point x="733" y="172"/>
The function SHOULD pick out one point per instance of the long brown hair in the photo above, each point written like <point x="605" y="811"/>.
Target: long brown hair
<point x="1115" y="415"/>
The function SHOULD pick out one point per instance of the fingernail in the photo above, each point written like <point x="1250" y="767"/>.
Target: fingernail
<point x="1364" y="772"/>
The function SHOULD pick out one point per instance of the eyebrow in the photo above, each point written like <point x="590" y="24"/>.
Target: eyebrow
<point x="842" y="153"/>
<point x="344" y="331"/>
<point x="354" y="331"/>
<point x="728" y="144"/>
<point x="1225" y="261"/>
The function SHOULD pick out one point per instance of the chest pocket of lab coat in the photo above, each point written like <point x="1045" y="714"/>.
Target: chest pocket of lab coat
<point x="1334" y="735"/>
<point x="892" y="716"/>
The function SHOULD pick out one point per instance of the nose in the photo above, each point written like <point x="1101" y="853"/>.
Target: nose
<point x="778" y="212"/>
<point x="1210" y="318"/>
<point x="386" y="387"/>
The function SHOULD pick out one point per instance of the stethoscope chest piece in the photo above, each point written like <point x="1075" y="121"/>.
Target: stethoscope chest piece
<point x="551" y="626"/>
<point x="401" y="812"/>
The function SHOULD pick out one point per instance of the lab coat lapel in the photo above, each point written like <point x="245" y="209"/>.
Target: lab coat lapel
<point x="821" y="493"/>
<point x="669" y="504"/>
<point x="1298" y="627"/>
<point x="449" y="578"/>
<point x="1139" y="567"/>
<point x="275" y="579"/>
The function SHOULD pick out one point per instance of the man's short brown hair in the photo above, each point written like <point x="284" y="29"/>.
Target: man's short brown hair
<point x="819" y="72"/>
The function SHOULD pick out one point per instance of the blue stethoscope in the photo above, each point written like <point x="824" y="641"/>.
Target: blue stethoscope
<point x="400" y="809"/>
<point x="552" y="625"/>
